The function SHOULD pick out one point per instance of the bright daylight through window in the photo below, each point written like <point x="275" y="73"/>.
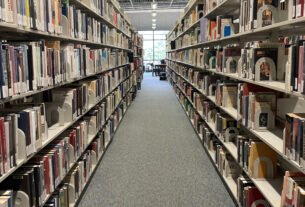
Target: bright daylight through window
<point x="154" y="44"/>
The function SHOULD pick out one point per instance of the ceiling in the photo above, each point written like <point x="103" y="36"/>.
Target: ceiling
<point x="141" y="20"/>
<point x="146" y="4"/>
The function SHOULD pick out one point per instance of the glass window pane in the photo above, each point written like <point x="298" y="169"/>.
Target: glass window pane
<point x="145" y="32"/>
<point x="147" y="37"/>
<point x="160" y="37"/>
<point x="161" y="32"/>
<point x="159" y="48"/>
<point x="148" y="50"/>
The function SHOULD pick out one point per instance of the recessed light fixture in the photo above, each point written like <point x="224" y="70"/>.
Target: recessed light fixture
<point x="154" y="14"/>
<point x="153" y="28"/>
<point x="154" y="5"/>
<point x="154" y="24"/>
<point x="154" y="20"/>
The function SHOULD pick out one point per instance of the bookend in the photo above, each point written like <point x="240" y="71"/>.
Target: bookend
<point x="91" y="69"/>
<point x="21" y="199"/>
<point x="90" y="38"/>
<point x="65" y="114"/>
<point x="52" y="113"/>
<point x="65" y="26"/>
<point x="72" y="196"/>
<point x="87" y="2"/>
<point x="71" y="154"/>
<point x="93" y="159"/>
<point x="264" y="14"/>
<point x="22" y="154"/>
<point x="70" y="76"/>
<point x="264" y="119"/>
<point x="92" y="126"/>
<point x="92" y="99"/>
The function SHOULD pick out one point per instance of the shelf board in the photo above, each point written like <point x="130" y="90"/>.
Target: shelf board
<point x="185" y="13"/>
<point x="197" y="23"/>
<point x="284" y="28"/>
<point x="227" y="7"/>
<point x="228" y="181"/>
<point x="31" y="93"/>
<point x="53" y="132"/>
<point x="271" y="189"/>
<point x="90" y="140"/>
<point x="81" y="5"/>
<point x="274" y="85"/>
<point x="272" y="137"/>
<point x="12" y="32"/>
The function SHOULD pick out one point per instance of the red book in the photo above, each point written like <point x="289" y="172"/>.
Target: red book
<point x="255" y="198"/>
<point x="56" y="163"/>
<point x="285" y="200"/>
<point x="94" y="148"/>
<point x="45" y="160"/>
<point x="72" y="139"/>
<point x="115" y="18"/>
<point x="47" y="173"/>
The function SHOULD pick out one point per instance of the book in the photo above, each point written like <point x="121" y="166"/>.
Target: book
<point x="262" y="161"/>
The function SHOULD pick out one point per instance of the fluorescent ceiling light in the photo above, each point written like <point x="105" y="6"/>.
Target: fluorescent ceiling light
<point x="153" y="28"/>
<point x="154" y="24"/>
<point x="154" y="5"/>
<point x="154" y="13"/>
<point x="154" y="20"/>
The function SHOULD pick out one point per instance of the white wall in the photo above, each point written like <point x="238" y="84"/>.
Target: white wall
<point x="165" y="19"/>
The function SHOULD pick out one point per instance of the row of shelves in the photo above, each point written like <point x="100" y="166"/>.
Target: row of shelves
<point x="192" y="4"/>
<point x="272" y="138"/>
<point x="54" y="132"/>
<point x="271" y="189"/>
<point x="31" y="93"/>
<point x="226" y="7"/>
<point x="89" y="143"/>
<point x="285" y="28"/>
<point x="274" y="85"/>
<point x="82" y="6"/>
<point x="25" y="33"/>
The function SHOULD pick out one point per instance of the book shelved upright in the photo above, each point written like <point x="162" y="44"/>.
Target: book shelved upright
<point x="237" y="67"/>
<point x="137" y="46"/>
<point x="65" y="85"/>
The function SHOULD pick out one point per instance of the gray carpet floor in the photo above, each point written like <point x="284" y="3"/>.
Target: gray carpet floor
<point x="156" y="158"/>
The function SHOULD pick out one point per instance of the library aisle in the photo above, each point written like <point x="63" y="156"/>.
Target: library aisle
<point x="156" y="158"/>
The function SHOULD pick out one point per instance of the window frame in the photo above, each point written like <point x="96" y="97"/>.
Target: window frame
<point x="153" y="33"/>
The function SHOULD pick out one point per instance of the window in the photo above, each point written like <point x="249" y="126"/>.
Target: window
<point x="154" y="45"/>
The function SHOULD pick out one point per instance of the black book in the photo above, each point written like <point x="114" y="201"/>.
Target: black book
<point x="22" y="181"/>
<point x="11" y="119"/>
<point x="23" y="125"/>
<point x="30" y="66"/>
<point x="38" y="183"/>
